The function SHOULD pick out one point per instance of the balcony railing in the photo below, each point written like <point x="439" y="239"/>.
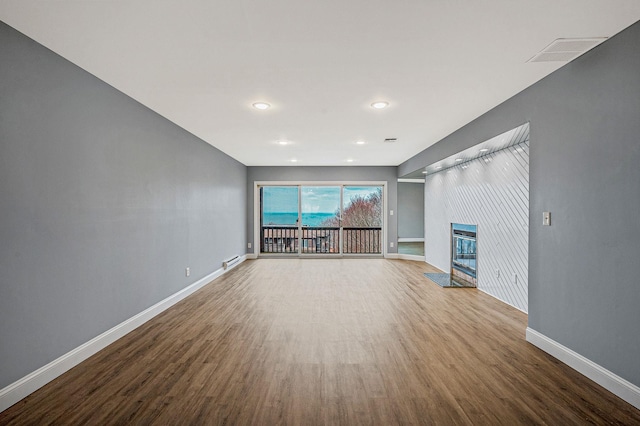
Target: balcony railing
<point x="362" y="240"/>
<point x="279" y="239"/>
<point x="285" y="239"/>
<point x="320" y="240"/>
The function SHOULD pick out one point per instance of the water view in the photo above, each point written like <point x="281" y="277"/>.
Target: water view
<point x="289" y="218"/>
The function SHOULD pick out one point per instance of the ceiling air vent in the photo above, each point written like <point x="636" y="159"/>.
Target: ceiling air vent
<point x="566" y="49"/>
<point x="391" y="140"/>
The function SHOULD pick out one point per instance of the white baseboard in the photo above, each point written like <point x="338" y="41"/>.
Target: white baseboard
<point x="605" y="378"/>
<point x="411" y="240"/>
<point x="410" y="257"/>
<point x="35" y="380"/>
<point x="251" y="256"/>
<point x="404" y="256"/>
<point x="503" y="301"/>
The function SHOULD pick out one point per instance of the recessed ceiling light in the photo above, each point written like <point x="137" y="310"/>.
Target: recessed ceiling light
<point x="360" y="142"/>
<point x="261" y="105"/>
<point x="349" y="160"/>
<point x="380" y="105"/>
<point x="425" y="172"/>
<point x="294" y="160"/>
<point x="438" y="167"/>
<point x="484" y="150"/>
<point x="283" y="142"/>
<point x="458" y="159"/>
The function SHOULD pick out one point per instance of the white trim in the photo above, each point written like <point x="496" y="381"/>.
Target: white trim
<point x="411" y="240"/>
<point x="503" y="301"/>
<point x="385" y="219"/>
<point x="415" y="257"/>
<point x="35" y="380"/>
<point x="320" y="182"/>
<point x="391" y="256"/>
<point x="256" y="219"/>
<point x="404" y="180"/>
<point x="605" y="378"/>
<point x="320" y="256"/>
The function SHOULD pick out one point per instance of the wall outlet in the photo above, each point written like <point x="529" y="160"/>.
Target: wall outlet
<point x="391" y="244"/>
<point x="248" y="245"/>
<point x="390" y="212"/>
<point x="187" y="271"/>
<point x="497" y="273"/>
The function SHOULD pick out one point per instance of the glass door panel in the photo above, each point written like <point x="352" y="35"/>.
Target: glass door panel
<point x="320" y="211"/>
<point x="362" y="220"/>
<point x="279" y="219"/>
<point x="296" y="219"/>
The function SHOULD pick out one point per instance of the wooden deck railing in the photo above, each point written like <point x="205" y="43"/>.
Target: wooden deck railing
<point x="362" y="240"/>
<point x="320" y="239"/>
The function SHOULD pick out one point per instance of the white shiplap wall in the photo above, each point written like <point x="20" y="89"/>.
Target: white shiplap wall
<point x="492" y="192"/>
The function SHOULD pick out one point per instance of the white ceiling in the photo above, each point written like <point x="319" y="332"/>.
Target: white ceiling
<point x="320" y="64"/>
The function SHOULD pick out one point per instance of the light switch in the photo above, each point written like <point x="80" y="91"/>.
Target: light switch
<point x="546" y="218"/>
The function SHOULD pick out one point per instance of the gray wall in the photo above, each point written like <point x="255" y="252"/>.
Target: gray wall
<point x="328" y="174"/>
<point x="584" y="168"/>
<point x="103" y="204"/>
<point x="410" y="210"/>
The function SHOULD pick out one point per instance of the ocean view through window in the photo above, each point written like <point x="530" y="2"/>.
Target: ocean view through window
<point x="283" y="218"/>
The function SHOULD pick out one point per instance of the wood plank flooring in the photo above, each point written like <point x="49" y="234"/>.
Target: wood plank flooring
<point x="325" y="342"/>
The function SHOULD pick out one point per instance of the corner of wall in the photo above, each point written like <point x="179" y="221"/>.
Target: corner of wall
<point x="605" y="378"/>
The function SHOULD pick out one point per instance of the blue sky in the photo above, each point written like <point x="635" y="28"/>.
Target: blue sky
<point x="316" y="199"/>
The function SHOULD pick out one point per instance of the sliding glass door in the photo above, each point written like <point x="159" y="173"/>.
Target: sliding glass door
<point x="279" y="219"/>
<point x="321" y="220"/>
<point x="362" y="219"/>
<point x="320" y="208"/>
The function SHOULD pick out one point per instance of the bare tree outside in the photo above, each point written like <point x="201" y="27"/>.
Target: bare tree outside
<point x="362" y="223"/>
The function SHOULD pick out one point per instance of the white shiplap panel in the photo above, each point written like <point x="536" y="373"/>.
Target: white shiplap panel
<point x="492" y="192"/>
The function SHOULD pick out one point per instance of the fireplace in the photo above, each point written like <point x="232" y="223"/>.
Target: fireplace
<point x="464" y="254"/>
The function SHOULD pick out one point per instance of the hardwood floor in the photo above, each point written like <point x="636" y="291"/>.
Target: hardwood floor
<point x="325" y="341"/>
